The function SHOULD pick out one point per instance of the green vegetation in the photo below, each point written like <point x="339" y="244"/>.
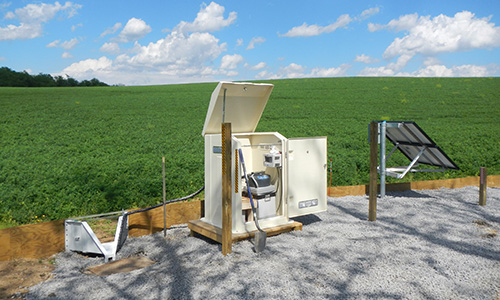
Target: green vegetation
<point x="72" y="151"/>
<point x="12" y="78"/>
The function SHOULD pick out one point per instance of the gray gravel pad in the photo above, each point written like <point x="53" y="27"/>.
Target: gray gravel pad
<point x="431" y="244"/>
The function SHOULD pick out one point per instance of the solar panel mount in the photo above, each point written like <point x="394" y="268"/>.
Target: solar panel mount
<point x="416" y="145"/>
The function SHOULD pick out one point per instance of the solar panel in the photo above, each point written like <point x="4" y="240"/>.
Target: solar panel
<point x="411" y="140"/>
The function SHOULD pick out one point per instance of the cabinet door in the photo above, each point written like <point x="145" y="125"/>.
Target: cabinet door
<point x="306" y="172"/>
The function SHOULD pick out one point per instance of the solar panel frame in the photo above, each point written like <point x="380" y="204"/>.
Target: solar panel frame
<point x="410" y="139"/>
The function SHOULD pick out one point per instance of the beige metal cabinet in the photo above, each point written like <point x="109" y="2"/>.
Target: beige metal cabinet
<point x="299" y="181"/>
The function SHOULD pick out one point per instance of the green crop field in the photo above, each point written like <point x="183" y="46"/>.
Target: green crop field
<point x="78" y="151"/>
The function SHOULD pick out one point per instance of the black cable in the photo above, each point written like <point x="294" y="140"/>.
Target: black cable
<point x="168" y="202"/>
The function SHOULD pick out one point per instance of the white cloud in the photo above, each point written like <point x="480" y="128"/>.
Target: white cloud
<point x="9" y="16"/>
<point x="5" y="5"/>
<point x="134" y="30"/>
<point x="186" y="54"/>
<point x="31" y="17"/>
<point x="267" y="75"/>
<point x="177" y="49"/>
<point x="305" y="30"/>
<point x="380" y="71"/>
<point x="231" y="62"/>
<point x="258" y="66"/>
<point x="455" y="71"/>
<point x="405" y="22"/>
<point x="297" y="71"/>
<point x="239" y="42"/>
<point x="66" y="55"/>
<point x="21" y="32"/>
<point x="53" y="44"/>
<point x="209" y="19"/>
<point x="66" y="45"/>
<point x="88" y="66"/>
<point x="329" y="72"/>
<point x="370" y="12"/>
<point x="442" y="34"/>
<point x="42" y="13"/>
<point x="435" y="71"/>
<point x="429" y="37"/>
<point x="255" y="40"/>
<point x="74" y="27"/>
<point x="111" y="48"/>
<point x="365" y="59"/>
<point x="111" y="30"/>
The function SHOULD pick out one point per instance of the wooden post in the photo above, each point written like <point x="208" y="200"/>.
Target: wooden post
<point x="483" y="178"/>
<point x="164" y="199"/>
<point x="226" y="189"/>
<point x="372" y="205"/>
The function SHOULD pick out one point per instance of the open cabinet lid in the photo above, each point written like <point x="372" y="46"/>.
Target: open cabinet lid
<point x="244" y="104"/>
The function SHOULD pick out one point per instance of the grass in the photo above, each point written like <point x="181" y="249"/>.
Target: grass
<point x="79" y="151"/>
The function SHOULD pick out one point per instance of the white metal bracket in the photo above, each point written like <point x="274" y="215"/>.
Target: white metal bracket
<point x="80" y="237"/>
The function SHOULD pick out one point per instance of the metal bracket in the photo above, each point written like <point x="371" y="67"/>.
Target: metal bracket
<point x="80" y="237"/>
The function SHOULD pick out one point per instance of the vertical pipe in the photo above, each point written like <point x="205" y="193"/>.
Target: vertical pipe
<point x="224" y="107"/>
<point x="164" y="199"/>
<point x="383" y="127"/>
<point x="372" y="205"/>
<point x="482" y="185"/>
<point x="226" y="189"/>
<point x="330" y="185"/>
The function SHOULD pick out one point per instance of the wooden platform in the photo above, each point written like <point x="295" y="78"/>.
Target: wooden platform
<point x="215" y="233"/>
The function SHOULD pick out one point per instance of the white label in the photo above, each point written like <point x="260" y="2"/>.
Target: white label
<point x="308" y="203"/>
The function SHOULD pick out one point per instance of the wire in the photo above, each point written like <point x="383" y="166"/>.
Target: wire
<point x="168" y="202"/>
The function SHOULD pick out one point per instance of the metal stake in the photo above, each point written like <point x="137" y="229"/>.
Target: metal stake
<point x="383" y="127"/>
<point x="164" y="199"/>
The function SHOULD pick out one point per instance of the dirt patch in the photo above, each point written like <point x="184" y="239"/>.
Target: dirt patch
<point x="487" y="229"/>
<point x="19" y="274"/>
<point x="104" y="229"/>
<point x="120" y="266"/>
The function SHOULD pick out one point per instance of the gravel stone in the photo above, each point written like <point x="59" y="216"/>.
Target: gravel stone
<point x="426" y="244"/>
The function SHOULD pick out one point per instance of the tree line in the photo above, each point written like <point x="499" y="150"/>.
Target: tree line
<point x="12" y="78"/>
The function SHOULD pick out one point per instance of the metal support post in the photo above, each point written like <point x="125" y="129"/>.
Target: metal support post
<point x="383" y="127"/>
<point x="372" y="206"/>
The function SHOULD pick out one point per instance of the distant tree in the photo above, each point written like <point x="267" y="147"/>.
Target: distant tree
<point x="43" y="80"/>
<point x="72" y="81"/>
<point x="61" y="81"/>
<point x="12" y="78"/>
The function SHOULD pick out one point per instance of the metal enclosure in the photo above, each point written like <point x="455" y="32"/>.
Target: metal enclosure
<point x="299" y="180"/>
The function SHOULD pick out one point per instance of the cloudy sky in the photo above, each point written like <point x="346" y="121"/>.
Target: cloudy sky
<point x="163" y="41"/>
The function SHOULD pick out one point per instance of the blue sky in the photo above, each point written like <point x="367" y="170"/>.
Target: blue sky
<point x="163" y="42"/>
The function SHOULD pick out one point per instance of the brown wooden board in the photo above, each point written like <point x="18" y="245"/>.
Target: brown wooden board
<point x="455" y="183"/>
<point x="45" y="239"/>
<point x="151" y="221"/>
<point x="32" y="241"/>
<point x="215" y="233"/>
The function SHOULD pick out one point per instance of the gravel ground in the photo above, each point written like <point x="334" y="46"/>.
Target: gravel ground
<point x="431" y="244"/>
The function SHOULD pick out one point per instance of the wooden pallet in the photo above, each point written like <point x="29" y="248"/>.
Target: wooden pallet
<point x="214" y="233"/>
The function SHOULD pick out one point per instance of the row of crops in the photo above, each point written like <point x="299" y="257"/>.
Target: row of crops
<point x="72" y="151"/>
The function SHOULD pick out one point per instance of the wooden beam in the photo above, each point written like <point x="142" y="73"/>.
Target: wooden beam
<point x="32" y="240"/>
<point x="215" y="233"/>
<point x="483" y="183"/>
<point x="151" y="221"/>
<point x="226" y="189"/>
<point x="45" y="239"/>
<point x="372" y="204"/>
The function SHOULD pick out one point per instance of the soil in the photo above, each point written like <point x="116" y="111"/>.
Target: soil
<point x="19" y="274"/>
